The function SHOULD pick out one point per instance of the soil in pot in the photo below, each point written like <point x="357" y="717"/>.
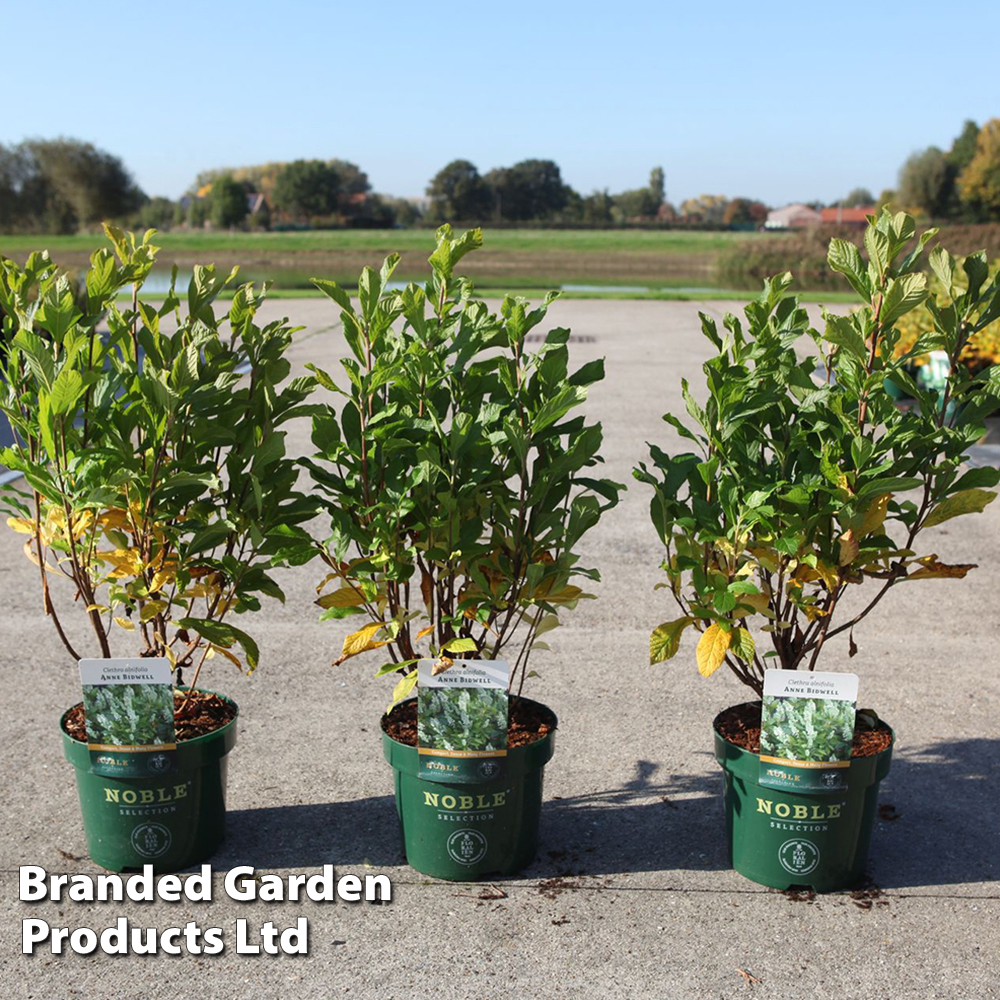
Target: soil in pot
<point x="201" y="713"/>
<point x="740" y="725"/>
<point x="528" y="722"/>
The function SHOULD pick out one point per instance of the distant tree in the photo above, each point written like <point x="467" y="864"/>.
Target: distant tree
<point x="597" y="209"/>
<point x="743" y="212"/>
<point x="529" y="190"/>
<point x="887" y="197"/>
<point x="156" y="213"/>
<point x="198" y="212"/>
<point x="458" y="192"/>
<point x="639" y="203"/>
<point x="228" y="203"/>
<point x="59" y="185"/>
<point x="92" y="184"/>
<point x="657" y="185"/>
<point x="305" y="189"/>
<point x="925" y="182"/>
<point x="353" y="180"/>
<point x="979" y="182"/>
<point x="404" y="212"/>
<point x="963" y="149"/>
<point x="705" y="208"/>
<point x="859" y="197"/>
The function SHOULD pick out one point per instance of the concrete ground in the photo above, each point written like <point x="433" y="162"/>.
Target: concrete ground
<point x="633" y="814"/>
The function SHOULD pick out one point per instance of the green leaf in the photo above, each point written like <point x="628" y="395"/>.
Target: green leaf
<point x="460" y="646"/>
<point x="846" y="258"/>
<point x="66" y="390"/>
<point x="742" y="645"/>
<point x="333" y="291"/>
<point x="556" y="407"/>
<point x="903" y="294"/>
<point x="225" y="635"/>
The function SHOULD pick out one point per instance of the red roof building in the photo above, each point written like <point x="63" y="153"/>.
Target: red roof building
<point x="846" y="216"/>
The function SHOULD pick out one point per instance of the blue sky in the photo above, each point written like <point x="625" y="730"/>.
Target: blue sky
<point x="781" y="101"/>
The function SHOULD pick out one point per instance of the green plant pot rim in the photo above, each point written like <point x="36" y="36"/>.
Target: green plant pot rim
<point x="865" y="769"/>
<point x="196" y="752"/>
<point x="520" y="760"/>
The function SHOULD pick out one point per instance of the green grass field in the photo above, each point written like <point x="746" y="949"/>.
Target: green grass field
<point x="669" y="241"/>
<point x="624" y="263"/>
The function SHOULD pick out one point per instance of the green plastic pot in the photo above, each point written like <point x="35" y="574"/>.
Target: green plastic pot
<point x="465" y="831"/>
<point x="784" y="839"/>
<point x="170" y="822"/>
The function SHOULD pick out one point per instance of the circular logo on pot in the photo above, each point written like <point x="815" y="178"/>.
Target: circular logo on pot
<point x="159" y="762"/>
<point x="489" y="769"/>
<point x="150" y="840"/>
<point x="799" y="857"/>
<point x="467" y="846"/>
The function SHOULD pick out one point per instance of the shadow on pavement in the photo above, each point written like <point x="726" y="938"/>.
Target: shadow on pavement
<point x="944" y="796"/>
<point x="344" y="834"/>
<point x="653" y="822"/>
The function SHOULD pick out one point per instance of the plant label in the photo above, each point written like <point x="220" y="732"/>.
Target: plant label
<point x="462" y="717"/>
<point x="129" y="709"/>
<point x="807" y="730"/>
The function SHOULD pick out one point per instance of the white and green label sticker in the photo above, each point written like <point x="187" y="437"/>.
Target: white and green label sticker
<point x="462" y="718"/>
<point x="129" y="708"/>
<point x="807" y="730"/>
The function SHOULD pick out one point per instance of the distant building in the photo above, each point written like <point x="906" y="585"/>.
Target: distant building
<point x="256" y="202"/>
<point x="797" y="216"/>
<point x="847" y="216"/>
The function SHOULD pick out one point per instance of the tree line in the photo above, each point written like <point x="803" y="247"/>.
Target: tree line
<point x="960" y="184"/>
<point x="62" y="185"/>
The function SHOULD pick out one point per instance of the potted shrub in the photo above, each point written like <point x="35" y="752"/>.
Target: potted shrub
<point x="155" y="495"/>
<point x="458" y="483"/>
<point x="930" y="370"/>
<point x="797" y="491"/>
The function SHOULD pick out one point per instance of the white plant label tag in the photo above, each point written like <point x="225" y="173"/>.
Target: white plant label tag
<point x="129" y="710"/>
<point x="807" y="730"/>
<point x="462" y="718"/>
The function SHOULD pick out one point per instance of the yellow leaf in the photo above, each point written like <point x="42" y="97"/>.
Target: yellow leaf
<point x="326" y="579"/>
<point x="344" y="597"/>
<point x="759" y="602"/>
<point x="425" y="631"/>
<point x="666" y="639"/>
<point x="126" y="562"/>
<point x="361" y="641"/>
<point x="161" y="578"/>
<point x="199" y="590"/>
<point x="848" y="548"/>
<point x="874" y="516"/>
<point x="965" y="502"/>
<point x="767" y="557"/>
<point x="151" y="609"/>
<point x="125" y="624"/>
<point x="228" y="655"/>
<point x="712" y="648"/>
<point x="812" y="612"/>
<point x="21" y="525"/>
<point x="403" y="688"/>
<point x="931" y="569"/>
<point x="563" y="596"/>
